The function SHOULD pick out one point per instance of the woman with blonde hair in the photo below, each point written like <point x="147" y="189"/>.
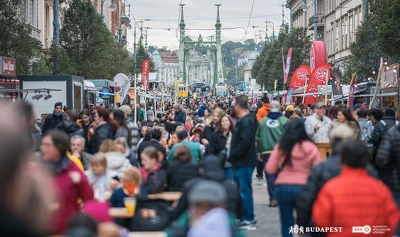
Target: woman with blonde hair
<point x="217" y="114"/>
<point x="116" y="161"/>
<point x="123" y="147"/>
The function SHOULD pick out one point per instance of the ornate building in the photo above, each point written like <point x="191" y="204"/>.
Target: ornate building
<point x="338" y="21"/>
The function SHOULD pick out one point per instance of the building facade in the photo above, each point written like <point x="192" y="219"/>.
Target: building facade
<point x="338" y="21"/>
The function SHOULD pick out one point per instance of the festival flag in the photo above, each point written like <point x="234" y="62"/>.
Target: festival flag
<point x="287" y="68"/>
<point x="350" y="99"/>
<point x="336" y="83"/>
<point x="318" y="78"/>
<point x="299" y="76"/>
<point x="145" y="73"/>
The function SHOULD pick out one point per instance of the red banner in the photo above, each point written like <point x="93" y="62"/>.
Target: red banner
<point x="8" y="66"/>
<point x="145" y="73"/>
<point x="317" y="55"/>
<point x="350" y="99"/>
<point x="318" y="78"/>
<point x="287" y="68"/>
<point x="299" y="76"/>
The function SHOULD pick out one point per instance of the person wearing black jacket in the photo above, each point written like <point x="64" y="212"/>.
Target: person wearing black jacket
<point x="69" y="125"/>
<point x="180" y="116"/>
<point x="52" y="120"/>
<point x="321" y="174"/>
<point x="106" y="130"/>
<point x="242" y="156"/>
<point x="180" y="169"/>
<point x="212" y="171"/>
<point x="380" y="128"/>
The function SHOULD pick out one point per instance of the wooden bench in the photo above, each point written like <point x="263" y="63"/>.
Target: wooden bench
<point x="147" y="234"/>
<point x="120" y="212"/>
<point x="168" y="196"/>
<point x="324" y="149"/>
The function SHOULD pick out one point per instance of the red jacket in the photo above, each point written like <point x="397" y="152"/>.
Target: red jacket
<point x="262" y="112"/>
<point x="355" y="199"/>
<point x="70" y="190"/>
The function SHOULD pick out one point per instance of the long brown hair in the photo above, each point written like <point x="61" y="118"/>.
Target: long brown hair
<point x="219" y="126"/>
<point x="103" y="113"/>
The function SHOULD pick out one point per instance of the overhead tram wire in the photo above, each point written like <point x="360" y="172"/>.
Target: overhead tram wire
<point x="248" y="24"/>
<point x="202" y="19"/>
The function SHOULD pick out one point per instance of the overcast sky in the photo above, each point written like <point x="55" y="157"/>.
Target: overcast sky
<point x="201" y="14"/>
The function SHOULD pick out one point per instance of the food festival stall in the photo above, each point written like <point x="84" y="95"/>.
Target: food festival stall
<point x="8" y="79"/>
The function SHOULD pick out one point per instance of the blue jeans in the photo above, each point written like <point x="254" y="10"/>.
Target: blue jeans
<point x="243" y="177"/>
<point x="396" y="196"/>
<point x="270" y="180"/>
<point x="228" y="173"/>
<point x="287" y="195"/>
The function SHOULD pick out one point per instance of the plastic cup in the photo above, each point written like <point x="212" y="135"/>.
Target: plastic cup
<point x="130" y="204"/>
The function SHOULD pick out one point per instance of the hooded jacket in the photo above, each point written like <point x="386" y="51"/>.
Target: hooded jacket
<point x="71" y="128"/>
<point x="201" y="110"/>
<point x="214" y="172"/>
<point x="263" y="112"/>
<point x="270" y="131"/>
<point x="51" y="121"/>
<point x="304" y="156"/>
<point x="117" y="162"/>
<point x="103" y="132"/>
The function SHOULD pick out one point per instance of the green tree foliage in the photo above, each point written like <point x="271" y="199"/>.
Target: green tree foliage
<point x="375" y="38"/>
<point x="268" y="67"/>
<point x="91" y="48"/>
<point x="15" y="39"/>
<point x="141" y="55"/>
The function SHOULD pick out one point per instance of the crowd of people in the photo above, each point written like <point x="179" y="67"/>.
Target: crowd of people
<point x="62" y="178"/>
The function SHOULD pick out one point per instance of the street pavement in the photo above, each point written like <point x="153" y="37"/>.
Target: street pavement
<point x="268" y="223"/>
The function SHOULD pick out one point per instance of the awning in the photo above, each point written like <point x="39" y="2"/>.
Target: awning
<point x="89" y="86"/>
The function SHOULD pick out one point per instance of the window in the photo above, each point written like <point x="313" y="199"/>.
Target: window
<point x="346" y="31"/>
<point x="343" y="35"/>
<point x="351" y="29"/>
<point x="333" y="40"/>
<point x="337" y="37"/>
<point x="356" y="20"/>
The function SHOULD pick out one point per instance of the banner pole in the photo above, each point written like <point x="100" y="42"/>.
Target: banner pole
<point x="326" y="86"/>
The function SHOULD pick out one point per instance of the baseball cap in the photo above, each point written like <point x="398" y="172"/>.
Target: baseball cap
<point x="207" y="191"/>
<point x="126" y="109"/>
<point x="290" y="108"/>
<point x="274" y="106"/>
<point x="319" y="105"/>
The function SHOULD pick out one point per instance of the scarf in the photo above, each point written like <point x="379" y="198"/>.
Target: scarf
<point x="58" y="167"/>
<point x="145" y="173"/>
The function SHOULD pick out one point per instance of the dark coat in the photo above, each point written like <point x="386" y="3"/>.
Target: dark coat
<point x="178" y="173"/>
<point x="71" y="128"/>
<point x="208" y="131"/>
<point x="180" y="117"/>
<point x="103" y="132"/>
<point x="155" y="182"/>
<point x="216" y="144"/>
<point x="51" y="122"/>
<point x="243" y="150"/>
<point x="319" y="175"/>
<point x="212" y="172"/>
<point x="388" y="159"/>
<point x="201" y="110"/>
<point x="380" y="129"/>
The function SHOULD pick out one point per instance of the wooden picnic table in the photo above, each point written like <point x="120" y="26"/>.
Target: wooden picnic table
<point x="324" y="149"/>
<point x="147" y="234"/>
<point x="119" y="212"/>
<point x="168" y="196"/>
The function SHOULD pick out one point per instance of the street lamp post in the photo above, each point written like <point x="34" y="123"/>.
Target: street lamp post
<point x="273" y="29"/>
<point x="315" y="21"/>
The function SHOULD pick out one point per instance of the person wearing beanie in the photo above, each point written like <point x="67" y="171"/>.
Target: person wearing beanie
<point x="52" y="120"/>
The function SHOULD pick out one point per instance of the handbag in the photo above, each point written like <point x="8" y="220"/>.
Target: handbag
<point x="222" y="156"/>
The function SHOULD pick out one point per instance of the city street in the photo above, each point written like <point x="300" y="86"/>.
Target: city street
<point x="268" y="224"/>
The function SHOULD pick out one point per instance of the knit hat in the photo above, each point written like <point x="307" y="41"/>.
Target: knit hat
<point x="97" y="210"/>
<point x="58" y="104"/>
<point x="208" y="191"/>
<point x="126" y="109"/>
<point x="290" y="108"/>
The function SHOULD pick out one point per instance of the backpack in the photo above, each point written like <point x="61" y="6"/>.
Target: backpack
<point x="150" y="215"/>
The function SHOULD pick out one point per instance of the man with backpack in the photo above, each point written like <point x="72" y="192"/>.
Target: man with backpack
<point x="381" y="126"/>
<point x="268" y="134"/>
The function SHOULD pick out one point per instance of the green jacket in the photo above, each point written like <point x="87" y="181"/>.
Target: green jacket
<point x="182" y="224"/>
<point x="270" y="130"/>
<point x="140" y="115"/>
